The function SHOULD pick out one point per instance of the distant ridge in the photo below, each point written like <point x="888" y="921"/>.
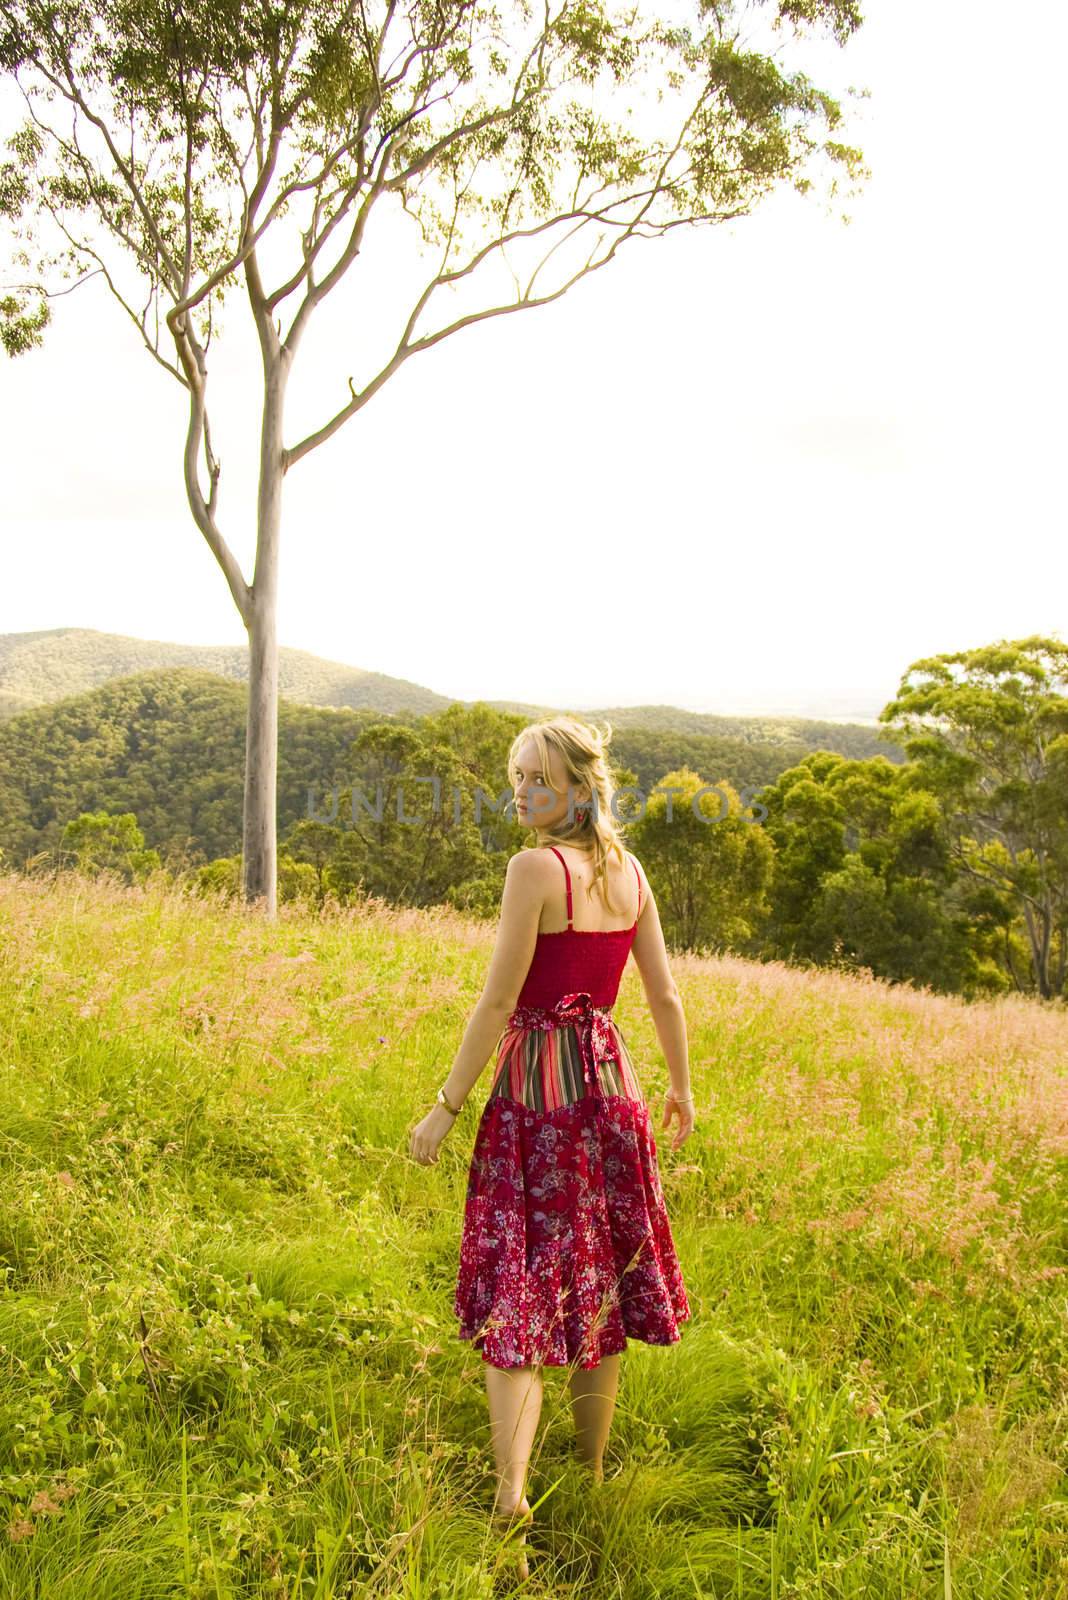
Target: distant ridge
<point x="52" y="664"/>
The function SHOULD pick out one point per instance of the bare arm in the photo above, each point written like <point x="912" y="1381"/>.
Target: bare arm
<point x="665" y="1002"/>
<point x="517" y="933"/>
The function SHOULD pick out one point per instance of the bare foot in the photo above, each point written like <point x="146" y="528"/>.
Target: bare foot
<point x="509" y="1520"/>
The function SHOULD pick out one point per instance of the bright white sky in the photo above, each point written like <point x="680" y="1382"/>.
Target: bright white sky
<point x="756" y="467"/>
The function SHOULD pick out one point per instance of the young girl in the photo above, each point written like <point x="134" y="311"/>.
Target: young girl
<point x="566" y="1248"/>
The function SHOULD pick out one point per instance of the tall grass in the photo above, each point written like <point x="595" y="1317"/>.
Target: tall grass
<point x="228" y="1362"/>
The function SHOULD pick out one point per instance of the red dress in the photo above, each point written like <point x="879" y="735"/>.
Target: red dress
<point x="566" y="1250"/>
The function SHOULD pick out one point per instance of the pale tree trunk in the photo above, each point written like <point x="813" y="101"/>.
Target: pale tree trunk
<point x="257" y="602"/>
<point x="260" y="846"/>
<point x="259" y="880"/>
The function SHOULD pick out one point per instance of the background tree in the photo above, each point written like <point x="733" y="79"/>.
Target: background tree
<point x="808" y="831"/>
<point x="405" y="828"/>
<point x="988" y="731"/>
<point x="186" y="133"/>
<point x="864" y="880"/>
<point x="315" y="845"/>
<point x="480" y="737"/>
<point x="710" y="876"/>
<point x="98" y="841"/>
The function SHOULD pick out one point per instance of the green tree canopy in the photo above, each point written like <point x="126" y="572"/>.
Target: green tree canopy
<point x="98" y="841"/>
<point x="988" y="731"/>
<point x="708" y="858"/>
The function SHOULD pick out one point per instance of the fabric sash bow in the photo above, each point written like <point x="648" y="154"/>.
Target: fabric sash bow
<point x="593" y="1025"/>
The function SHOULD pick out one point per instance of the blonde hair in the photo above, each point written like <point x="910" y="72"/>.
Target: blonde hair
<point x="581" y="748"/>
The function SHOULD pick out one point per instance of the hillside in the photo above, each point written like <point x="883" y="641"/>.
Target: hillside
<point x="169" y="745"/>
<point x="230" y="1358"/>
<point x="38" y="669"/>
<point x="56" y="663"/>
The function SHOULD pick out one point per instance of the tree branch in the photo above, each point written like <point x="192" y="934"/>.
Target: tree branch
<point x="192" y="360"/>
<point x="74" y="94"/>
<point x="404" y="349"/>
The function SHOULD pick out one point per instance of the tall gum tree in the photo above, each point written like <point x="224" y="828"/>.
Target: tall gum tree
<point x="184" y="132"/>
<point x="987" y="731"/>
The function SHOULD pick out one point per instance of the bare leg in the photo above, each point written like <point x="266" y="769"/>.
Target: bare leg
<point x="515" y="1405"/>
<point x="515" y="1396"/>
<point x="593" y="1401"/>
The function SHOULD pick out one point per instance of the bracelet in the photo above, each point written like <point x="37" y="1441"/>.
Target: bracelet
<point x="455" y="1110"/>
<point x="681" y="1099"/>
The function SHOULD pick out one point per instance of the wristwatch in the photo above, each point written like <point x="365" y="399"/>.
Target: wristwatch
<point x="455" y="1110"/>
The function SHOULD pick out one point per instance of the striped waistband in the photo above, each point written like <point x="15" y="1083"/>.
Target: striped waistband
<point x="599" y="1062"/>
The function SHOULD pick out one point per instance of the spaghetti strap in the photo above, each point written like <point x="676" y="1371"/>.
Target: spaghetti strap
<point x="638" y="875"/>
<point x="567" y="875"/>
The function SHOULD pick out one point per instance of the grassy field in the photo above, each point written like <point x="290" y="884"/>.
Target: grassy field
<point x="228" y="1359"/>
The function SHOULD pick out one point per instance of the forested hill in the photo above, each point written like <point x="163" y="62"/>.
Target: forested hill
<point x="40" y="668"/>
<point x="170" y="747"/>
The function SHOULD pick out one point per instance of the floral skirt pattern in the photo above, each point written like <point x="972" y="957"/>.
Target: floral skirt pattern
<point x="566" y="1250"/>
